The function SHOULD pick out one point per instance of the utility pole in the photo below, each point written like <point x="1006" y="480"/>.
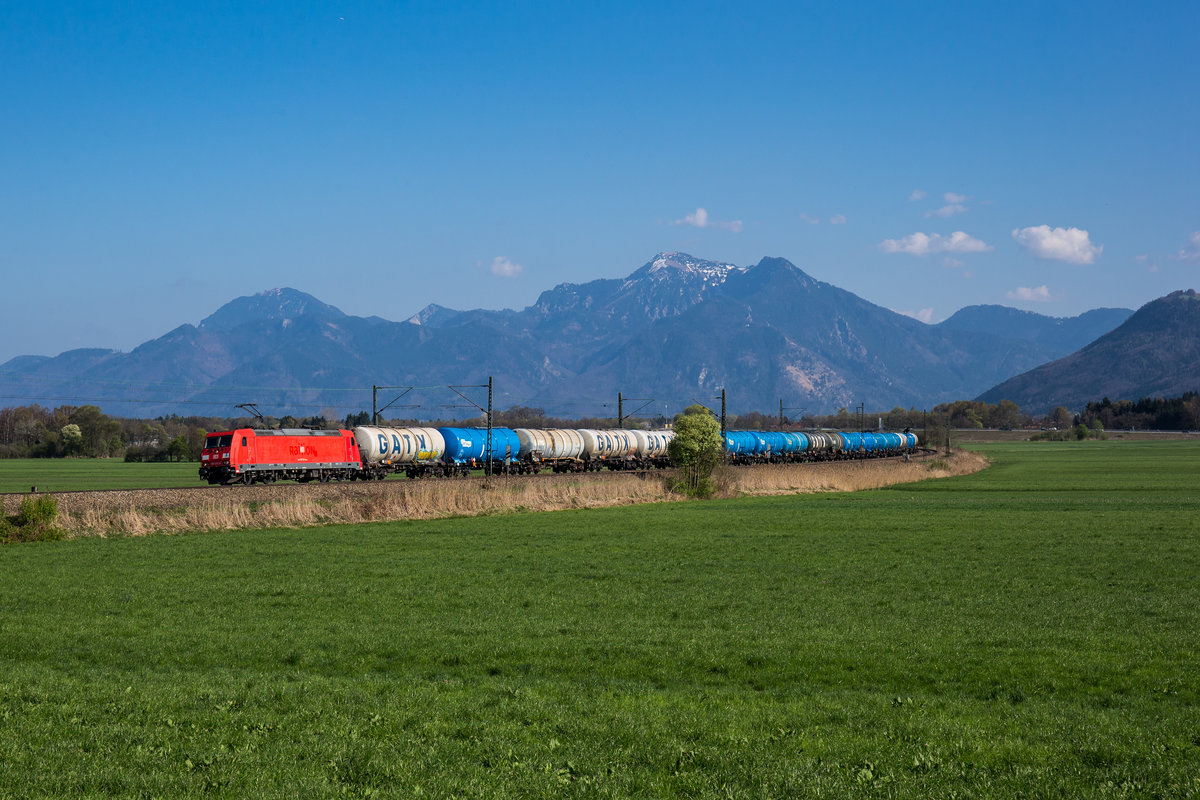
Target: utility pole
<point x="488" y="456"/>
<point x="376" y="411"/>
<point x="621" y="398"/>
<point x="723" y="431"/>
<point x="782" y="418"/>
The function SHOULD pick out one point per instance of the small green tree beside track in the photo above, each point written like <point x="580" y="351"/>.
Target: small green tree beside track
<point x="696" y="450"/>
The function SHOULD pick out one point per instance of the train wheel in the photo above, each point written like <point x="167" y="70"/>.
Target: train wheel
<point x="247" y="478"/>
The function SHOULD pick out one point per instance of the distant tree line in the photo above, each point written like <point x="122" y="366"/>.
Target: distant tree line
<point x="1149" y="413"/>
<point x="85" y="431"/>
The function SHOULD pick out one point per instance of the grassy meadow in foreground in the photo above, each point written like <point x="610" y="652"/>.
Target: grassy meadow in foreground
<point x="1028" y="630"/>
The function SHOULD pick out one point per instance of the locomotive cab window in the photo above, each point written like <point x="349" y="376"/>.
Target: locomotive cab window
<point x="243" y="441"/>
<point x="226" y="441"/>
<point x="211" y="442"/>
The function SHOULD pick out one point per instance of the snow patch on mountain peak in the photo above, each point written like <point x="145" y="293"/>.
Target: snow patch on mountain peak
<point x="668" y="265"/>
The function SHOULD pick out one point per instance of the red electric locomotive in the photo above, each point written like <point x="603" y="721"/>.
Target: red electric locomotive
<point x="265" y="456"/>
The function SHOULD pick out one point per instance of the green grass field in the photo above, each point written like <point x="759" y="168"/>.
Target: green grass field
<point x="1030" y="630"/>
<point x="80" y="474"/>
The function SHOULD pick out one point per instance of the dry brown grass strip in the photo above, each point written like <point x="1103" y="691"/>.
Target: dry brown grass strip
<point x="845" y="476"/>
<point x="141" y="512"/>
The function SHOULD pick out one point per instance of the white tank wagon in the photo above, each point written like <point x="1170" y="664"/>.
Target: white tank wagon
<point x="624" y="444"/>
<point x="616" y="448"/>
<point x="568" y="443"/>
<point x="597" y="446"/>
<point x="416" y="451"/>
<point x="605" y="447"/>
<point x="559" y="448"/>
<point x="535" y="444"/>
<point x="651" y="447"/>
<point x="624" y="449"/>
<point x="823" y="446"/>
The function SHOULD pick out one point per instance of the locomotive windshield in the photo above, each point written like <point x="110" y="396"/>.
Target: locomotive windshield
<point x="218" y="441"/>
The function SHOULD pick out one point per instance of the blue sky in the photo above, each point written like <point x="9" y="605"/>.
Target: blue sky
<point x="160" y="159"/>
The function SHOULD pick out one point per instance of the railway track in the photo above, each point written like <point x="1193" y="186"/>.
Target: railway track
<point x="286" y="487"/>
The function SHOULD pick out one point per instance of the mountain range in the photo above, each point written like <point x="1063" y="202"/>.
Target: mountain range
<point x="1155" y="353"/>
<point x="677" y="331"/>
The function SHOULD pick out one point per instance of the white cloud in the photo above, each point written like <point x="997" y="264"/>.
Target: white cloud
<point x="922" y="244"/>
<point x="1039" y="295"/>
<point x="811" y="220"/>
<point x="951" y="197"/>
<point x="837" y="219"/>
<point x="700" y="220"/>
<point x="1191" y="251"/>
<point x="1061" y="244"/>
<point x="953" y="262"/>
<point x="924" y="315"/>
<point x="917" y="194"/>
<point x="947" y="211"/>
<point x="504" y="268"/>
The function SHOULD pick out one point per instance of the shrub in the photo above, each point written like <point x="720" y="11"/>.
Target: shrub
<point x="689" y="482"/>
<point x="34" y="521"/>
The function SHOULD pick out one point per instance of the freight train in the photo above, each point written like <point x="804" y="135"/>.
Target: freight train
<point x="250" y="455"/>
